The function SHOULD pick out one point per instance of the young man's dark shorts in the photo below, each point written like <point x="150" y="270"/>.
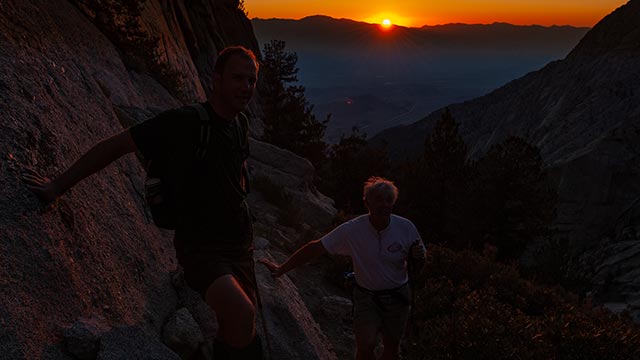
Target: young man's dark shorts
<point x="208" y="255"/>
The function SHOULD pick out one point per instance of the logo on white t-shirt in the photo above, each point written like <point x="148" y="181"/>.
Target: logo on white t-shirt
<point x="395" y="247"/>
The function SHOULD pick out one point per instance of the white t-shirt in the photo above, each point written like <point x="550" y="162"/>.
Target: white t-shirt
<point x="379" y="257"/>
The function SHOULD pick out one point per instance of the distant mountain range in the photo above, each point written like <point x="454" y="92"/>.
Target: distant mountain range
<point x="322" y="33"/>
<point x="373" y="79"/>
<point x="583" y="112"/>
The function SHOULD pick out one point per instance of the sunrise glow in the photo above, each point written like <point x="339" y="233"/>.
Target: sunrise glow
<point x="386" y="24"/>
<point x="416" y="13"/>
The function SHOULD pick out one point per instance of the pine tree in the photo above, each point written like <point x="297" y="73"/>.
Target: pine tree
<point x="503" y="199"/>
<point x="437" y="186"/>
<point x="351" y="162"/>
<point x="288" y="117"/>
<point x="515" y="203"/>
<point x="242" y="7"/>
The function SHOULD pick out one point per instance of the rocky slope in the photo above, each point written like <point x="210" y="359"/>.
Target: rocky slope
<point x="583" y="113"/>
<point x="93" y="277"/>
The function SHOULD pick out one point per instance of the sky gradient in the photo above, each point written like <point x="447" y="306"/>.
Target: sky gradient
<point x="417" y="13"/>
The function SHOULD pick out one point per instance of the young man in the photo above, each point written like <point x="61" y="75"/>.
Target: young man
<point x="379" y="244"/>
<point x="214" y="236"/>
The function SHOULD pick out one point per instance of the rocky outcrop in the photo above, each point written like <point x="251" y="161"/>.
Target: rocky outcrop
<point x="290" y="328"/>
<point x="295" y="176"/>
<point x="616" y="274"/>
<point x="96" y="254"/>
<point x="617" y="32"/>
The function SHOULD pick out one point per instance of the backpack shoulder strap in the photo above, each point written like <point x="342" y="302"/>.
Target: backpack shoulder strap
<point x="205" y="130"/>
<point x="242" y="124"/>
<point x="243" y="129"/>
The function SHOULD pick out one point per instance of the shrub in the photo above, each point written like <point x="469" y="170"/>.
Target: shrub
<point x="471" y="307"/>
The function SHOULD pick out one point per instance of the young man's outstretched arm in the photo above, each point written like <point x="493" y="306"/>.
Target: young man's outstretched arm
<point x="99" y="156"/>
<point x="308" y="252"/>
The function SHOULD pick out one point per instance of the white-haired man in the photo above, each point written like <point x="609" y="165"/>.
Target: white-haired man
<point x="379" y="244"/>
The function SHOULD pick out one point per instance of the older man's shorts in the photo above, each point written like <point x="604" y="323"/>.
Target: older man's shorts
<point x="387" y="311"/>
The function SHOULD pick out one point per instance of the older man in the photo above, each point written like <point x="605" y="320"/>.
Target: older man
<point x="379" y="244"/>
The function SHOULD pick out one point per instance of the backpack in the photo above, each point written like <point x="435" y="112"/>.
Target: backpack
<point x="163" y="185"/>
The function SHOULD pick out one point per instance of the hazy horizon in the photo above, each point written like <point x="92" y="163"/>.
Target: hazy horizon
<point x="423" y="25"/>
<point x="416" y="13"/>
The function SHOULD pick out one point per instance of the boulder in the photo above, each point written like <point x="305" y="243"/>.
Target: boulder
<point x="294" y="175"/>
<point x="182" y="334"/>
<point x="132" y="342"/>
<point x="82" y="339"/>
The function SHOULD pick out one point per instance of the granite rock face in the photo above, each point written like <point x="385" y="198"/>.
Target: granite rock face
<point x="95" y="252"/>
<point x="295" y="175"/>
<point x="290" y="327"/>
<point x="616" y="274"/>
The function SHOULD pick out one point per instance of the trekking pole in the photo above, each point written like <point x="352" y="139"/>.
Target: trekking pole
<point x="412" y="286"/>
<point x="454" y="342"/>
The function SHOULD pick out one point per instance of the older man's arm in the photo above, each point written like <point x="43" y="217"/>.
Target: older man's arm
<point x="306" y="253"/>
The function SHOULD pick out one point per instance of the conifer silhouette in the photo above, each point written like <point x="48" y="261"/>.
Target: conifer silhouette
<point x="288" y="117"/>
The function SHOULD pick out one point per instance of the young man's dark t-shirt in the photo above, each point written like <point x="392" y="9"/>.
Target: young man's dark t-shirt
<point x="215" y="225"/>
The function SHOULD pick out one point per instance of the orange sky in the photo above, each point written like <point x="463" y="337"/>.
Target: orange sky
<point x="432" y="12"/>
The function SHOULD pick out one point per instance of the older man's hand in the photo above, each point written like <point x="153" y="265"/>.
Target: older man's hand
<point x="273" y="268"/>
<point x="418" y="251"/>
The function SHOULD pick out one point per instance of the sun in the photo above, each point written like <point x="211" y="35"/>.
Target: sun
<point x="386" y="23"/>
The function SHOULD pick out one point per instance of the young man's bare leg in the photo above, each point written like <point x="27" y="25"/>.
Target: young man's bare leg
<point x="235" y="312"/>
